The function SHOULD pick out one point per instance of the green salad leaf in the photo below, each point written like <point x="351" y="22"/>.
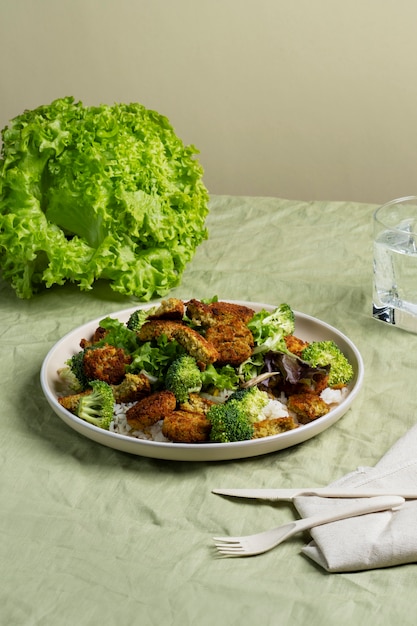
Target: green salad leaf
<point x="270" y="329"/>
<point x="104" y="192"/>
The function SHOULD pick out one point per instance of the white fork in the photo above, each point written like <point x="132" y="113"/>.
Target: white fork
<point x="262" y="542"/>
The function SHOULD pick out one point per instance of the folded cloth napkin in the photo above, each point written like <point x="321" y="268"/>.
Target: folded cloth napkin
<point x="374" y="540"/>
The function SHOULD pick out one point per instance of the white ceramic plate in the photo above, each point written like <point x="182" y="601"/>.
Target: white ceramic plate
<point x="306" y="327"/>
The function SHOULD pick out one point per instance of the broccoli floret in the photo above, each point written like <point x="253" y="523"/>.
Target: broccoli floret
<point x="283" y="317"/>
<point x="76" y="367"/>
<point x="97" y="407"/>
<point x="233" y="420"/>
<point x="229" y="423"/>
<point x="270" y="329"/>
<point x="137" y="319"/>
<point x="183" y="377"/>
<point x="252" y="401"/>
<point x="322" y="353"/>
<point x="69" y="380"/>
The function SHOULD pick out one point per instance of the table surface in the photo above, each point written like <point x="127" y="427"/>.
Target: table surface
<point x="90" y="535"/>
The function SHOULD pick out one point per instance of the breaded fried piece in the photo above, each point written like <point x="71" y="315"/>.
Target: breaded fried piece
<point x="233" y="342"/>
<point x="71" y="402"/>
<point x="295" y="345"/>
<point x="233" y="352"/>
<point x="223" y="331"/>
<point x="155" y="328"/>
<point x="199" y="312"/>
<point x="226" y="310"/>
<point x="274" y="426"/>
<point x="98" y="335"/>
<point x="307" y="407"/>
<point x="151" y="409"/>
<point x="197" y="346"/>
<point x="321" y="382"/>
<point x="196" y="404"/>
<point x="210" y="314"/>
<point x="132" y="388"/>
<point x="172" y="309"/>
<point x="186" y="427"/>
<point x="106" y="363"/>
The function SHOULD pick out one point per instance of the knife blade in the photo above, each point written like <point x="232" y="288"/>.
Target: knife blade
<point x="325" y="492"/>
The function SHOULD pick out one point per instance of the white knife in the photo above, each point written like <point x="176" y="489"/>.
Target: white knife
<point x="325" y="492"/>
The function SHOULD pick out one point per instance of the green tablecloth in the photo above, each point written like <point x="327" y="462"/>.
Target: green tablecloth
<point x="93" y="536"/>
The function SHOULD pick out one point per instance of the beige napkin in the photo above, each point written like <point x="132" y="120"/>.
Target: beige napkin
<point x="378" y="539"/>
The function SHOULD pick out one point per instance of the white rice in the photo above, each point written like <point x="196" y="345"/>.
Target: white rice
<point x="119" y="425"/>
<point x="274" y="409"/>
<point x="334" y="396"/>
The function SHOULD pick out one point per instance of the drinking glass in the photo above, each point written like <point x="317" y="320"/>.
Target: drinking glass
<point x="395" y="263"/>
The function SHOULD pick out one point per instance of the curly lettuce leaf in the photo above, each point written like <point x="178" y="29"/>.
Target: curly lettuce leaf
<point x="270" y="329"/>
<point x="107" y="192"/>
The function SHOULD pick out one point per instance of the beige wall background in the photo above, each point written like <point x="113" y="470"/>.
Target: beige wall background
<point x="303" y="99"/>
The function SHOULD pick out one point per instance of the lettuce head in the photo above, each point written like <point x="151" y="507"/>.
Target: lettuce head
<point x="104" y="192"/>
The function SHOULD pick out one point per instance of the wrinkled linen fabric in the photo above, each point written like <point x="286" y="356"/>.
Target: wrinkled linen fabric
<point x="91" y="535"/>
<point x="378" y="539"/>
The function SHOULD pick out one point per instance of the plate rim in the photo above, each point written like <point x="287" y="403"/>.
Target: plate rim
<point x="201" y="451"/>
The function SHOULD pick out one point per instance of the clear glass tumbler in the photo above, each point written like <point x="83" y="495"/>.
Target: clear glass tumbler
<point x="395" y="263"/>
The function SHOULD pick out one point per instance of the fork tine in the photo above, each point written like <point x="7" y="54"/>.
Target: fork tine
<point x="226" y="548"/>
<point x="235" y="552"/>
<point x="227" y="539"/>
